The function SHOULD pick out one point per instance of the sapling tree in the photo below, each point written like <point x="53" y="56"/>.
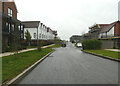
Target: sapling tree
<point x="28" y="37"/>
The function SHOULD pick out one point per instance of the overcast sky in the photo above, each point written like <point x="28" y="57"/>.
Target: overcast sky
<point x="68" y="17"/>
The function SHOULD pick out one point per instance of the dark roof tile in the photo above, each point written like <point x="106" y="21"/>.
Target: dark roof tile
<point x="106" y="27"/>
<point x="31" y="24"/>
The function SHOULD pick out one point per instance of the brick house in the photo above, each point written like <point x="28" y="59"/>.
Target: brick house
<point x="117" y="28"/>
<point x="11" y="26"/>
<point x="109" y="34"/>
<point x="104" y="30"/>
<point x="110" y="30"/>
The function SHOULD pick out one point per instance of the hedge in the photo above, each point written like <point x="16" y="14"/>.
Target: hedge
<point x="91" y="44"/>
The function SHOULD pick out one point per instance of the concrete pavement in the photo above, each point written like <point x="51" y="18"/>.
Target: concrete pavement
<point x="117" y="50"/>
<point x="71" y="66"/>
<point x="21" y="51"/>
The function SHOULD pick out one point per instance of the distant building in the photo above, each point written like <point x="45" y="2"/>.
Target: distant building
<point x="76" y="38"/>
<point x="94" y="31"/>
<point x="38" y="30"/>
<point x="85" y="36"/>
<point x="50" y="34"/>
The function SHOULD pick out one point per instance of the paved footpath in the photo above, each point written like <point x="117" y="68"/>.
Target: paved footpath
<point x="117" y="50"/>
<point x="21" y="51"/>
<point x="69" y="65"/>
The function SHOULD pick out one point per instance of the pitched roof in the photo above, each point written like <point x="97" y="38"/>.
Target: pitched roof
<point x="106" y="27"/>
<point x="31" y="24"/>
<point x="54" y="32"/>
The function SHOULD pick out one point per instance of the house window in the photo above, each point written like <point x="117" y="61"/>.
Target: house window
<point x="6" y="24"/>
<point x="34" y="35"/>
<point x="10" y="12"/>
<point x="111" y="33"/>
<point x="39" y="35"/>
<point x="13" y="27"/>
<point x="9" y="27"/>
<point x="19" y="28"/>
<point x="42" y="36"/>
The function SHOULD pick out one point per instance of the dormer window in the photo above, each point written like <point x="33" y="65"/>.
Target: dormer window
<point x="10" y="12"/>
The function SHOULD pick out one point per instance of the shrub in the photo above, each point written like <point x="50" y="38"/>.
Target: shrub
<point x="6" y="49"/>
<point x="91" y="44"/>
<point x="72" y="41"/>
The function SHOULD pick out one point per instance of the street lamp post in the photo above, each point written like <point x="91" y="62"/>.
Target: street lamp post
<point x="38" y="42"/>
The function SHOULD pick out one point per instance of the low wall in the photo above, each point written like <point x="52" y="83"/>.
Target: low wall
<point x="110" y="43"/>
<point x="42" y="42"/>
<point x="107" y="44"/>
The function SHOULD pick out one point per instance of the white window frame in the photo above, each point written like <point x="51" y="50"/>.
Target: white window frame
<point x="10" y="12"/>
<point x="39" y="35"/>
<point x="34" y="34"/>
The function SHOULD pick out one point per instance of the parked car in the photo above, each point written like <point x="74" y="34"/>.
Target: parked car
<point x="63" y="45"/>
<point x="79" y="45"/>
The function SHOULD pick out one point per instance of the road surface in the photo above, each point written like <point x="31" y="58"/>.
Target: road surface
<point x="71" y="66"/>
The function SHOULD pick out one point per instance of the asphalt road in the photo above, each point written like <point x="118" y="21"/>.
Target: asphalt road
<point x="71" y="66"/>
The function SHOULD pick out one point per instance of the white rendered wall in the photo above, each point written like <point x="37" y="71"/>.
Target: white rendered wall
<point x="42" y="33"/>
<point x="32" y="31"/>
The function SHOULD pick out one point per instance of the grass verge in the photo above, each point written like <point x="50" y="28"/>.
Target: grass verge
<point x="13" y="65"/>
<point x="108" y="53"/>
<point x="55" y="46"/>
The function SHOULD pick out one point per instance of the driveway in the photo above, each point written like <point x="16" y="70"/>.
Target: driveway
<point x="69" y="65"/>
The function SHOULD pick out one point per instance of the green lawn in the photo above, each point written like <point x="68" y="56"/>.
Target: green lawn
<point x="12" y="66"/>
<point x="55" y="46"/>
<point x="112" y="54"/>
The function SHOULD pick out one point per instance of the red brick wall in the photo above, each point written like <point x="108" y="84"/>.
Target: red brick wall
<point x="12" y="6"/>
<point x="117" y="29"/>
<point x="0" y="6"/>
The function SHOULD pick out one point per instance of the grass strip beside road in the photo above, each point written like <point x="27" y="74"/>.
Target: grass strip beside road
<point x="108" y="53"/>
<point x="55" y="46"/>
<point x="13" y="65"/>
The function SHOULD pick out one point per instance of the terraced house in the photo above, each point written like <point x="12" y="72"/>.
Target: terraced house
<point x="38" y="31"/>
<point x="12" y="29"/>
